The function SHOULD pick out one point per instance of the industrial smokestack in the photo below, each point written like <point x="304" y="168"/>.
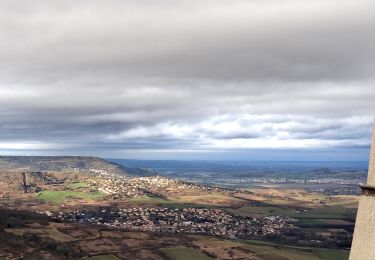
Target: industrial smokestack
<point x="24" y="183"/>
<point x="364" y="233"/>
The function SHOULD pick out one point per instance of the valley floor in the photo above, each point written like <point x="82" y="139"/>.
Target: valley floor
<point x="97" y="214"/>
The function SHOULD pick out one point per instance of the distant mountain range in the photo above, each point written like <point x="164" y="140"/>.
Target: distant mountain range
<point x="246" y="169"/>
<point x="64" y="163"/>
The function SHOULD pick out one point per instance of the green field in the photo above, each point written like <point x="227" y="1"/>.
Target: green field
<point x="281" y="253"/>
<point x="273" y="251"/>
<point x="311" y="221"/>
<point x="146" y="200"/>
<point x="183" y="253"/>
<point x="324" y="212"/>
<point x="266" y="210"/>
<point x="56" y="197"/>
<point x="77" y="185"/>
<point x="346" y="204"/>
<point x="330" y="254"/>
<point x="152" y="200"/>
<point x="327" y="212"/>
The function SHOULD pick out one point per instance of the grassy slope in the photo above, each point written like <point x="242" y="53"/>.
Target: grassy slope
<point x="56" y="163"/>
<point x="330" y="254"/>
<point x="145" y="200"/>
<point x="268" y="250"/>
<point x="56" y="197"/>
<point x="77" y="185"/>
<point x="320" y="212"/>
<point x="296" y="253"/>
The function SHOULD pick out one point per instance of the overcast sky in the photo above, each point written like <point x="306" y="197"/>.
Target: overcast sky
<point x="208" y="79"/>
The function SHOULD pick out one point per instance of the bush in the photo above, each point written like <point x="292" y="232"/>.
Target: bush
<point x="48" y="244"/>
<point x="30" y="237"/>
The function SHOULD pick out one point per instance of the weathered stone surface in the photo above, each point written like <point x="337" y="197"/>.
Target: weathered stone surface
<point x="363" y="245"/>
<point x="371" y="169"/>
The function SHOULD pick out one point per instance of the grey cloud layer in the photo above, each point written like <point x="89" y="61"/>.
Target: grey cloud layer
<point x="186" y="74"/>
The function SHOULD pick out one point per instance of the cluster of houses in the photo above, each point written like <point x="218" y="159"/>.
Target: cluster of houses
<point x="209" y="221"/>
<point x="187" y="220"/>
<point x="120" y="187"/>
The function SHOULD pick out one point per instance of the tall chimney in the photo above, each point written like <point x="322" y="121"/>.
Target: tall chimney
<point x="24" y="183"/>
<point x="363" y="245"/>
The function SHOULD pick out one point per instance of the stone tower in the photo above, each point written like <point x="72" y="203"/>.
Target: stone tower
<point x="363" y="245"/>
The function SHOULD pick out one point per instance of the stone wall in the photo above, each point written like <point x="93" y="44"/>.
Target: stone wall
<point x="371" y="170"/>
<point x="363" y="245"/>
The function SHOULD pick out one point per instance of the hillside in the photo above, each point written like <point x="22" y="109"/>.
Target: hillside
<point x="57" y="163"/>
<point x="89" y="208"/>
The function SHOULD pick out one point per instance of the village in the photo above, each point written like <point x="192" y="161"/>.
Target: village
<point x="119" y="187"/>
<point x="209" y="221"/>
<point x="105" y="200"/>
<point x="187" y="220"/>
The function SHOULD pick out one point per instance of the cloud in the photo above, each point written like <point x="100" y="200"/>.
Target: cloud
<point x="253" y="132"/>
<point x="186" y="75"/>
